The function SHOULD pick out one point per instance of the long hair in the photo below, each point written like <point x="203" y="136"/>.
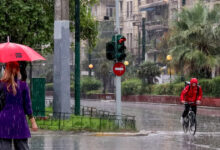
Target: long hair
<point x="12" y="71"/>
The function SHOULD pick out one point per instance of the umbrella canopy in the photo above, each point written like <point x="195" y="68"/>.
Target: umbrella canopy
<point x="17" y="52"/>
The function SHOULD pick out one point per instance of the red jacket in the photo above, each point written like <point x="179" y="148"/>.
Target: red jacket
<point x="191" y="93"/>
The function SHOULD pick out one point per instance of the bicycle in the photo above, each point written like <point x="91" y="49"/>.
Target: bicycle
<point x="189" y="122"/>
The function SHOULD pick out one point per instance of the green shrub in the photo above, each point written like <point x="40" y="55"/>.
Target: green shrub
<point x="207" y="86"/>
<point x="131" y="86"/>
<point x="94" y="92"/>
<point x="49" y="87"/>
<point x="163" y="89"/>
<point x="210" y="87"/>
<point x="177" y="88"/>
<point x="147" y="89"/>
<point x="72" y="87"/>
<point x="216" y="87"/>
<point x="90" y="84"/>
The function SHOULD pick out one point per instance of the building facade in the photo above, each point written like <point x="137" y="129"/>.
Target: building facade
<point x="158" y="14"/>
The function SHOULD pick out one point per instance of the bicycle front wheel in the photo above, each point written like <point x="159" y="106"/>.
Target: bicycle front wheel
<point x="192" y="124"/>
<point x="185" y="125"/>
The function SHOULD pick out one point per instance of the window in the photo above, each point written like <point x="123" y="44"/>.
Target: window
<point x="121" y="6"/>
<point x="139" y="2"/>
<point x="109" y="11"/>
<point x="129" y="9"/>
<point x="121" y="30"/>
<point x="128" y="41"/>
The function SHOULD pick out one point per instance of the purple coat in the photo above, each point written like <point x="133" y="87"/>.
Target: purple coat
<point x="13" y="123"/>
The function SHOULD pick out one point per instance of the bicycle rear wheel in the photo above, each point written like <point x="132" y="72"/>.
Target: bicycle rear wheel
<point x="185" y="125"/>
<point x="192" y="123"/>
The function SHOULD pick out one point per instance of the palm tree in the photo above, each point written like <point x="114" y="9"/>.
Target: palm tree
<point x="194" y="40"/>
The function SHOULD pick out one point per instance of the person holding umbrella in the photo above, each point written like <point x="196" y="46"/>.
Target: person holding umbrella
<point x="15" y="97"/>
<point x="13" y="124"/>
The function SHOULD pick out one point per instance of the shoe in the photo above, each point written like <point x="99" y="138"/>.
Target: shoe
<point x="181" y="120"/>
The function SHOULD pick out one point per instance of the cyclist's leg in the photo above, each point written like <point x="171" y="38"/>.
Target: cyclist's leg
<point x="194" y="109"/>
<point x="186" y="111"/>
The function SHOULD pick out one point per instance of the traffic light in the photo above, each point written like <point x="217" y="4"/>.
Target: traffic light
<point x="110" y="50"/>
<point x="115" y="50"/>
<point x="120" y="56"/>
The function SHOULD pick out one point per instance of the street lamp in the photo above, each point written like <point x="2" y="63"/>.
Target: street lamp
<point x="169" y="58"/>
<point x="126" y="63"/>
<point x="90" y="69"/>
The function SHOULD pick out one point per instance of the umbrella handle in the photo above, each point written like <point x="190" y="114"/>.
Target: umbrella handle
<point x="8" y="39"/>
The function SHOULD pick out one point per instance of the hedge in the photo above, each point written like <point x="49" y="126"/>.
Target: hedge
<point x="131" y="86"/>
<point x="49" y="87"/>
<point x="90" y="84"/>
<point x="210" y="87"/>
<point x="216" y="87"/>
<point x="87" y="84"/>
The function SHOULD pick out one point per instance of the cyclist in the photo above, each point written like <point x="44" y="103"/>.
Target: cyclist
<point x="191" y="96"/>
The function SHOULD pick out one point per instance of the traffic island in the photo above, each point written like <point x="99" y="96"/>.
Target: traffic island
<point x="93" y="122"/>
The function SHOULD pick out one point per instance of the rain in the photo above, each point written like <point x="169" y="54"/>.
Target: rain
<point x="113" y="74"/>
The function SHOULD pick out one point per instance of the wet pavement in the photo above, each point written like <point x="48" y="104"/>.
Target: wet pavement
<point x="160" y="121"/>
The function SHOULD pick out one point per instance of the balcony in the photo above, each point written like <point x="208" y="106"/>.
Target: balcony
<point x="136" y="17"/>
<point x="158" y="25"/>
<point x="151" y="6"/>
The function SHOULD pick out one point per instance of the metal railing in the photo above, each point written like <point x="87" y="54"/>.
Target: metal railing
<point x="90" y="120"/>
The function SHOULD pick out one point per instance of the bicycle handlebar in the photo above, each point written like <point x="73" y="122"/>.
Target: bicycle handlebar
<point x="190" y="103"/>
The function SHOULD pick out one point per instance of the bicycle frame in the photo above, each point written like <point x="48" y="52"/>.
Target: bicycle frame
<point x="190" y="124"/>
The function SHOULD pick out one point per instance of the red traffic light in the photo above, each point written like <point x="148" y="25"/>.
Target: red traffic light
<point x="122" y="40"/>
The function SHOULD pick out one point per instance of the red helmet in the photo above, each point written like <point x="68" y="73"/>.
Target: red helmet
<point x="193" y="80"/>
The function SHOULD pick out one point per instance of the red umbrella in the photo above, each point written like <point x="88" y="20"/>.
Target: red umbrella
<point x="17" y="52"/>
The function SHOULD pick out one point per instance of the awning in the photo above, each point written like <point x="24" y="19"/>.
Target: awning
<point x="147" y="9"/>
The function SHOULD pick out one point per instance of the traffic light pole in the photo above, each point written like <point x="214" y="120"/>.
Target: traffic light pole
<point x="117" y="78"/>
<point x="77" y="58"/>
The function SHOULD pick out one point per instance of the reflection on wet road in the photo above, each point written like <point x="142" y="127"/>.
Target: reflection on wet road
<point x="162" y="119"/>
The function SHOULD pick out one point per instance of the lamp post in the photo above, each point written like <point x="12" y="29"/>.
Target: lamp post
<point x="169" y="58"/>
<point x="90" y="69"/>
<point x="126" y="63"/>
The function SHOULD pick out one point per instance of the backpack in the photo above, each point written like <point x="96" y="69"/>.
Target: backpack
<point x="187" y="83"/>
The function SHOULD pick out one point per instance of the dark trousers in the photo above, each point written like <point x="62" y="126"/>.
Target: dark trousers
<point x="19" y="144"/>
<point x="186" y="111"/>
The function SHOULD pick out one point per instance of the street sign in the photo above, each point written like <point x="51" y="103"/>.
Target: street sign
<point x="119" y="69"/>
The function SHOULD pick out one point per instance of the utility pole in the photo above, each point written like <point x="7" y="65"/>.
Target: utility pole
<point x="117" y="78"/>
<point x="61" y="78"/>
<point x="77" y="57"/>
<point x="139" y="47"/>
<point x="143" y="39"/>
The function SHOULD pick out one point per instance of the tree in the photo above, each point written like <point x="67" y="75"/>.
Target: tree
<point x="194" y="40"/>
<point x="88" y="24"/>
<point x="31" y="22"/>
<point x="148" y="72"/>
<point x="102" y="66"/>
<point x="27" y="22"/>
<point x="163" y="47"/>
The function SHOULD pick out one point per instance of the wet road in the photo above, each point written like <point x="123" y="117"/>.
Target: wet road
<point x="162" y="121"/>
